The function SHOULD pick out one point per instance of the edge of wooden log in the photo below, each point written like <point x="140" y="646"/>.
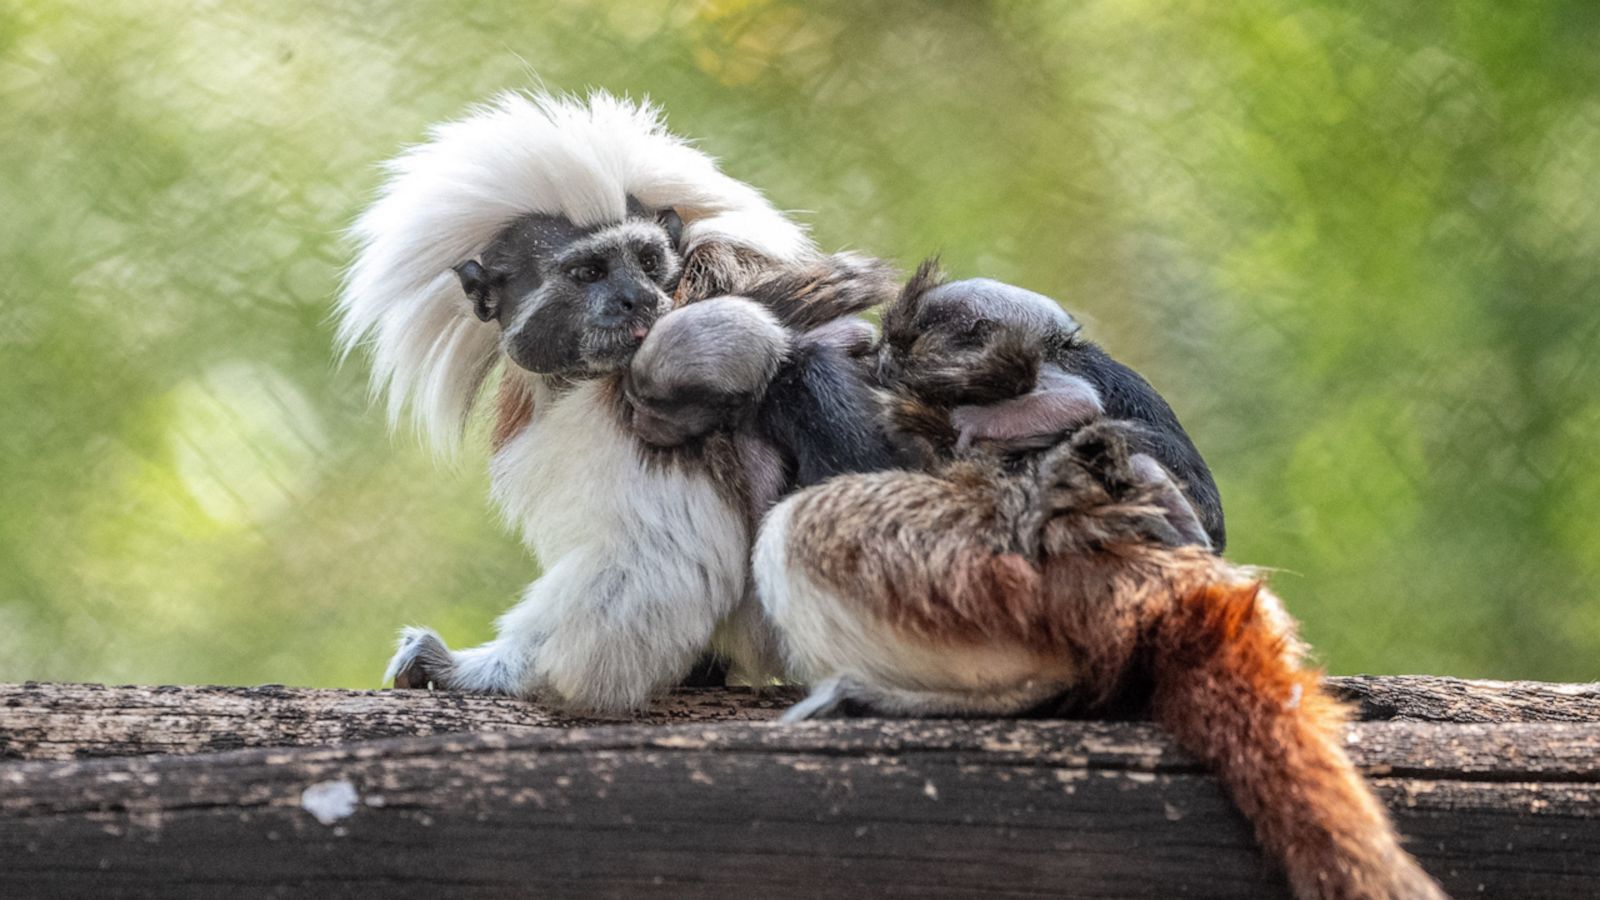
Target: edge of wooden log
<point x="260" y="791"/>
<point x="1432" y="698"/>
<point x="66" y="721"/>
<point x="867" y="807"/>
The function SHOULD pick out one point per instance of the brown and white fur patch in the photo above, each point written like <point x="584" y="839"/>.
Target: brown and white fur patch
<point x="974" y="590"/>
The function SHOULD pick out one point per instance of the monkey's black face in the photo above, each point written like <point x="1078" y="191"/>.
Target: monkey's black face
<point x="573" y="301"/>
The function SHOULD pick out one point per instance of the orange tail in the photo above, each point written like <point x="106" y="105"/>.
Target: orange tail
<point x="1229" y="687"/>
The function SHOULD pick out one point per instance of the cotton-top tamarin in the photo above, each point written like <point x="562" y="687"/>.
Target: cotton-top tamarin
<point x="526" y="238"/>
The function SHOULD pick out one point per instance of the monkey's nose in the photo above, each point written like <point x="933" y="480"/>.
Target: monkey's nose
<point x="624" y="308"/>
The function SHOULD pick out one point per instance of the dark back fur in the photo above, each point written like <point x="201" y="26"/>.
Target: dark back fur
<point x="1127" y="395"/>
<point x="821" y="412"/>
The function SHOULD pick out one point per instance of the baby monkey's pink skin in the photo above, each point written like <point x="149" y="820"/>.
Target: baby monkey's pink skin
<point x="1058" y="403"/>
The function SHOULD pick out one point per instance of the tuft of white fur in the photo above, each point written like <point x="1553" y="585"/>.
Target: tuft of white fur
<point x="641" y="562"/>
<point x="446" y="198"/>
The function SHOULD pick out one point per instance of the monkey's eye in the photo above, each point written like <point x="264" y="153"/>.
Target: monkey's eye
<point x="587" y="273"/>
<point x="649" y="262"/>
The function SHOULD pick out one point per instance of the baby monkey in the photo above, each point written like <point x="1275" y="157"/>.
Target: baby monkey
<point x="798" y="404"/>
<point x="986" y="364"/>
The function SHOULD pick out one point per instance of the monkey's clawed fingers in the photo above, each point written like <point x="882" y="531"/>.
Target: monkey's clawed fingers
<point x="1180" y="513"/>
<point x="854" y="337"/>
<point x="1000" y="429"/>
<point x="1097" y="469"/>
<point x="420" y="660"/>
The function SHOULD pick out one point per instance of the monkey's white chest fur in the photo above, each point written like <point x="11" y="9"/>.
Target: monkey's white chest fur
<point x="640" y="562"/>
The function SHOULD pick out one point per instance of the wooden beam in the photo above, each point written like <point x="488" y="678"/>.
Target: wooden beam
<point x="72" y="721"/>
<point x="722" y="802"/>
<point x="40" y="721"/>
<point x="1429" y="698"/>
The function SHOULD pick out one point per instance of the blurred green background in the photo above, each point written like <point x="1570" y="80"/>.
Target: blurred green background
<point x="1357" y="245"/>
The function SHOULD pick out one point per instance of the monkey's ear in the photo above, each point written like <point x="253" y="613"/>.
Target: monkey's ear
<point x="476" y="282"/>
<point x="670" y="220"/>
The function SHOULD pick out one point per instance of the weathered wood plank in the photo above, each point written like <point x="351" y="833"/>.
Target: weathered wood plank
<point x="1429" y="698"/>
<point x="66" y="721"/>
<point x="864" y="808"/>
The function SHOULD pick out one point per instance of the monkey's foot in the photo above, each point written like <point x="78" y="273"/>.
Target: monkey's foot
<point x="836" y="698"/>
<point x="421" y="660"/>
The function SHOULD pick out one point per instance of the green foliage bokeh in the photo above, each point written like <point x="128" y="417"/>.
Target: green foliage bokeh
<point x="1356" y="245"/>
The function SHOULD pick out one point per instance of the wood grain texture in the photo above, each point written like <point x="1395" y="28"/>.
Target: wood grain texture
<point x="721" y="803"/>
<point x="73" y="721"/>
<point x="41" y="721"/>
<point x="1428" y="698"/>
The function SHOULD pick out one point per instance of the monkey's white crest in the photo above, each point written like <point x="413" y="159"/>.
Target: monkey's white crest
<point x="447" y="198"/>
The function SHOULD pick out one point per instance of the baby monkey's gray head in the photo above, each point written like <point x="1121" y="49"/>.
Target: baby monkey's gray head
<point x="968" y="312"/>
<point x="972" y="342"/>
<point x="574" y="301"/>
<point x="703" y="367"/>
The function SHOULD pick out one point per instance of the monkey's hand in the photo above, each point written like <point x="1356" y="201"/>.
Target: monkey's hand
<point x="1136" y="497"/>
<point x="851" y="336"/>
<point x="1058" y="403"/>
<point x="420" y="660"/>
<point x="1164" y="491"/>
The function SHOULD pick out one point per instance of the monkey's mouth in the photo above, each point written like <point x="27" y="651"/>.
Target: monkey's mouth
<point x="614" y="345"/>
